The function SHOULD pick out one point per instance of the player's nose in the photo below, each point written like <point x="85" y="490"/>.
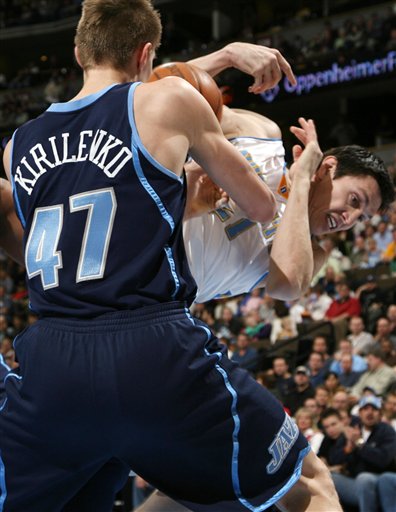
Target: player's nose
<point x="350" y="217"/>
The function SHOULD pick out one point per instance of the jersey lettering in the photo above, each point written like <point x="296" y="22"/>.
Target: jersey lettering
<point x="281" y="445"/>
<point x="101" y="148"/>
<point x="41" y="254"/>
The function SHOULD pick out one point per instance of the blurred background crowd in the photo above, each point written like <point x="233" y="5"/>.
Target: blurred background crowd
<point x="329" y="357"/>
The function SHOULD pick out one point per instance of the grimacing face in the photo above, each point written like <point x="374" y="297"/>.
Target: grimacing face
<point x="338" y="204"/>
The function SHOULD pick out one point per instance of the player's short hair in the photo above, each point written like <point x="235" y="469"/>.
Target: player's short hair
<point x="110" y="30"/>
<point x="355" y="160"/>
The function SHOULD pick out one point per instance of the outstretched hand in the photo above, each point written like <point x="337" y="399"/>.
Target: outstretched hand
<point x="305" y="160"/>
<point x="265" y="64"/>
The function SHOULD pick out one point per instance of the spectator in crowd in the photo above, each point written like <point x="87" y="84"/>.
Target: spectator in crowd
<point x="245" y="355"/>
<point x="370" y="450"/>
<point x="340" y="400"/>
<point x="321" y="346"/>
<point x="383" y="236"/>
<point x="379" y="376"/>
<point x="251" y="302"/>
<point x="387" y="347"/>
<point x="228" y="325"/>
<point x="373" y="253"/>
<point x="312" y="406"/>
<point x="315" y="365"/>
<point x="362" y="341"/>
<point x="280" y="377"/>
<point x="255" y="326"/>
<point x="389" y="409"/>
<point x="331" y="450"/>
<point x="359" y="254"/>
<point x="343" y="307"/>
<point x="331" y="382"/>
<point x="317" y="302"/>
<point x="306" y="423"/>
<point x="383" y="331"/>
<point x="322" y="397"/>
<point x="389" y="253"/>
<point x="359" y="364"/>
<point x="371" y="297"/>
<point x="347" y="377"/>
<point x="301" y="390"/>
<point x="391" y="316"/>
<point x="328" y="282"/>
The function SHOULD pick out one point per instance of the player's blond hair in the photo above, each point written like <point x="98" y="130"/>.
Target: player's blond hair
<point x="110" y="30"/>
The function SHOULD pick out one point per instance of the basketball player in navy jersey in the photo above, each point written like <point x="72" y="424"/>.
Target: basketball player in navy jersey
<point x="116" y="374"/>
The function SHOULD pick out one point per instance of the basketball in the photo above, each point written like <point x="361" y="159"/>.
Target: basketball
<point x="197" y="77"/>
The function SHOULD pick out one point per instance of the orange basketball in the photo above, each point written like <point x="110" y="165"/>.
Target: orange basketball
<point x="197" y="77"/>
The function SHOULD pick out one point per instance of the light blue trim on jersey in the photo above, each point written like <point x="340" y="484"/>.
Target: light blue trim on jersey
<point x="3" y="363"/>
<point x="255" y="138"/>
<point x="137" y="140"/>
<point x="12" y="375"/>
<point x="235" y="442"/>
<point x="259" y="280"/>
<point x="14" y="192"/>
<point x="169" y="255"/>
<point x="4" y="403"/>
<point x="3" y="487"/>
<point x="71" y="106"/>
<point x="149" y="189"/>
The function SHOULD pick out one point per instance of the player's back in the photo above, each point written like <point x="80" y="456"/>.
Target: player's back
<point x="102" y="218"/>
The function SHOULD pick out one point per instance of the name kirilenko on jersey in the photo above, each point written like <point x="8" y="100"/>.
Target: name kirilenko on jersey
<point x="99" y="147"/>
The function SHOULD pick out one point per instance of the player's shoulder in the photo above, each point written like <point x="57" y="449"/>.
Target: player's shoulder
<point x="250" y="122"/>
<point x="170" y="88"/>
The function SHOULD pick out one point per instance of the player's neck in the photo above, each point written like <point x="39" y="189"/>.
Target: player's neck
<point x="98" y="78"/>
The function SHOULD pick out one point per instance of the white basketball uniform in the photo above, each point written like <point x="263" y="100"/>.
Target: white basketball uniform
<point x="228" y="254"/>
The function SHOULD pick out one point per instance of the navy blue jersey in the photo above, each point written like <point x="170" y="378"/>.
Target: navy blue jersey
<point x="102" y="218"/>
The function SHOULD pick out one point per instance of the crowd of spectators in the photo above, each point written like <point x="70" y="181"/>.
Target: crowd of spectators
<point x="27" y="12"/>
<point x="356" y="37"/>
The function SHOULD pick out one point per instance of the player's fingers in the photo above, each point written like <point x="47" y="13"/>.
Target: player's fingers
<point x="299" y="133"/>
<point x="296" y="150"/>
<point x="268" y="74"/>
<point x="285" y="67"/>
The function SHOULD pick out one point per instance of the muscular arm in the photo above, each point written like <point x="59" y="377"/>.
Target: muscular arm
<point x="292" y="260"/>
<point x="189" y="125"/>
<point x="266" y="65"/>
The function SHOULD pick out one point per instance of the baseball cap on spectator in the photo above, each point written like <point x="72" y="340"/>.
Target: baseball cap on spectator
<point x="302" y="369"/>
<point x="374" y="401"/>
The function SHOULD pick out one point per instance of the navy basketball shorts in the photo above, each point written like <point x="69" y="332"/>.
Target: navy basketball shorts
<point x="152" y="390"/>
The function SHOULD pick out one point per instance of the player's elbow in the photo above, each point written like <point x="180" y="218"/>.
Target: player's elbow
<point x="287" y="285"/>
<point x="262" y="210"/>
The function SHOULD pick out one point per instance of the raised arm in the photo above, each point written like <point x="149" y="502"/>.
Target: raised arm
<point x="292" y="260"/>
<point x="189" y="125"/>
<point x="266" y="65"/>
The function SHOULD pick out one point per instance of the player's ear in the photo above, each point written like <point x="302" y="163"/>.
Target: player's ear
<point x="327" y="168"/>
<point x="77" y="56"/>
<point x="143" y="55"/>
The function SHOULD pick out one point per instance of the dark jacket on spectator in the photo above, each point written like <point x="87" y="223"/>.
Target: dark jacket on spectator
<point x="377" y="454"/>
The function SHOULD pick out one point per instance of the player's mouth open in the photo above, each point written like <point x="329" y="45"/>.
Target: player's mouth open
<point x="331" y="222"/>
